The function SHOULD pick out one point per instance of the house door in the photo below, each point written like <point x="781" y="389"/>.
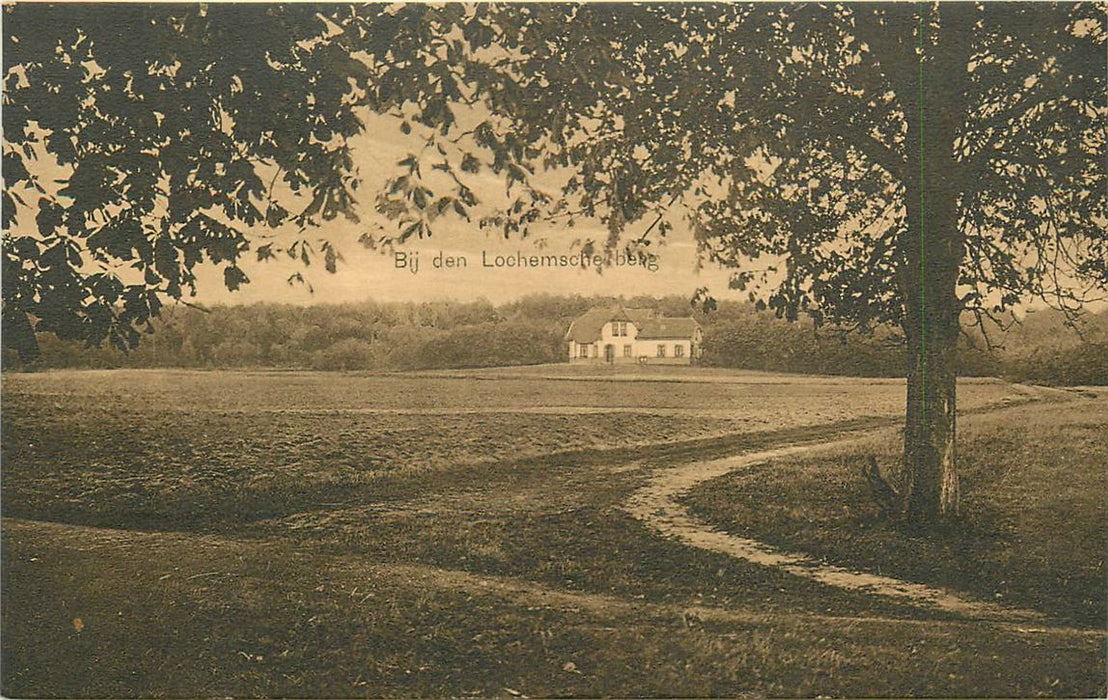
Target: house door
<point x="609" y="353"/>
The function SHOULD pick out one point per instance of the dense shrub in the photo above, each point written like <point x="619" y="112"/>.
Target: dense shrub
<point x="348" y="353"/>
<point x="1085" y="364"/>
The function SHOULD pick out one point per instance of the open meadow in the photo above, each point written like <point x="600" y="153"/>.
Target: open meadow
<point x="177" y="533"/>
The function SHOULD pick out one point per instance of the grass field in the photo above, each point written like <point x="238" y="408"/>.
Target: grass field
<point x="244" y="534"/>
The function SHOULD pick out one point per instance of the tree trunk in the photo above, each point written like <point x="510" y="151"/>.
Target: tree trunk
<point x="929" y="480"/>
<point x="932" y="253"/>
<point x="929" y="483"/>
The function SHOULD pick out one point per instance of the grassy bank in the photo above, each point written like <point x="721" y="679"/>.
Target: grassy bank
<point x="1032" y="530"/>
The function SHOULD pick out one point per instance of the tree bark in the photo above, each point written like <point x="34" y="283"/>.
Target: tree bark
<point x="929" y="483"/>
<point x="932" y="254"/>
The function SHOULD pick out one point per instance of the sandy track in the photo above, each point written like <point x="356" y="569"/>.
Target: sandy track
<point x="657" y="505"/>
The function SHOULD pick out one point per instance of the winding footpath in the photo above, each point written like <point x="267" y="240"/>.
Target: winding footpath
<point x="658" y="506"/>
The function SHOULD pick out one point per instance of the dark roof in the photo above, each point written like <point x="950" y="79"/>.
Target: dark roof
<point x="639" y="317"/>
<point x="587" y="327"/>
<point x="666" y="328"/>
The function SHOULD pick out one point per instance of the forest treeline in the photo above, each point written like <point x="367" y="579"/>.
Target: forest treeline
<point x="441" y="334"/>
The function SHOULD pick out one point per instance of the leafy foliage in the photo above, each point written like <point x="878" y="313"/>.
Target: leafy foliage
<point x="785" y="135"/>
<point x="788" y="135"/>
<point x="166" y="134"/>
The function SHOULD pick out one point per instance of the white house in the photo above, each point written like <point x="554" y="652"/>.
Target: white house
<point x="617" y="335"/>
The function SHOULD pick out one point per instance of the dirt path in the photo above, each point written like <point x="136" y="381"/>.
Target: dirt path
<point x="657" y="505"/>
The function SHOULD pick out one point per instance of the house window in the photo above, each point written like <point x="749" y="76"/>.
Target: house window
<point x="619" y="328"/>
<point x="615" y="327"/>
<point x="583" y="350"/>
<point x="661" y="351"/>
<point x="678" y="350"/>
<point x="627" y="351"/>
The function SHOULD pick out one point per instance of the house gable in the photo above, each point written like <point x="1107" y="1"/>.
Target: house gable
<point x="618" y="334"/>
<point x="587" y="328"/>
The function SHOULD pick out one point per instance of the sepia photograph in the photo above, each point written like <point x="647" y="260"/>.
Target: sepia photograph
<point x="595" y="349"/>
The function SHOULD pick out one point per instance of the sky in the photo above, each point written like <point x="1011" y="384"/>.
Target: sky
<point x="433" y="268"/>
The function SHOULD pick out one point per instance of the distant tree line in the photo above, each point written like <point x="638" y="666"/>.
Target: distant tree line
<point x="1042" y="348"/>
<point x="438" y="335"/>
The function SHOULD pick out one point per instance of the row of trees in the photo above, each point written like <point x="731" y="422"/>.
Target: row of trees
<point x="1044" y="348"/>
<point x="438" y="335"/>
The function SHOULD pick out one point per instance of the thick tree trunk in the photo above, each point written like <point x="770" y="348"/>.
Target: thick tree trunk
<point x="932" y="254"/>
<point x="929" y="484"/>
<point x="929" y="480"/>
